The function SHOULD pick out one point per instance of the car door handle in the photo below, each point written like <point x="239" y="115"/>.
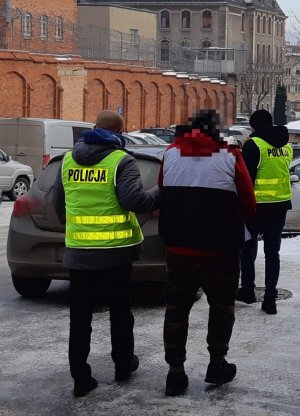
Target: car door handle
<point x="21" y="154"/>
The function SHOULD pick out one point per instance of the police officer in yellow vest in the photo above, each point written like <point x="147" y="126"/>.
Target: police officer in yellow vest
<point x="267" y="155"/>
<point x="97" y="194"/>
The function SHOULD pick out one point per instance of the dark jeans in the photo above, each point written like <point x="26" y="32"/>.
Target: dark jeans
<point x="83" y="288"/>
<point x="270" y="226"/>
<point x="218" y="277"/>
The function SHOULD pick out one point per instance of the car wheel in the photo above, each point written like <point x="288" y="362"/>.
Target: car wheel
<point x="30" y="288"/>
<point x="20" y="188"/>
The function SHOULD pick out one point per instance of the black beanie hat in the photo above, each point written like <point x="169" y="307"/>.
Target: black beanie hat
<point x="260" y="118"/>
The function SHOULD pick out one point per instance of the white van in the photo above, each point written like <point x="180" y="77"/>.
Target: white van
<point x="34" y="141"/>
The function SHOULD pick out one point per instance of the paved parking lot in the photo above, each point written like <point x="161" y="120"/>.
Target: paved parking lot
<point x="34" y="374"/>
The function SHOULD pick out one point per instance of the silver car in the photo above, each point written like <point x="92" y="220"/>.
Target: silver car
<point x="36" y="245"/>
<point x="292" y="224"/>
<point x="15" y="178"/>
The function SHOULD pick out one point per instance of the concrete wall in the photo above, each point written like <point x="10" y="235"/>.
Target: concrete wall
<point x="119" y="18"/>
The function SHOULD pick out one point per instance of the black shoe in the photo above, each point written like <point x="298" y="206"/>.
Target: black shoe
<point x="176" y="383"/>
<point x="220" y="373"/>
<point x="82" y="389"/>
<point x="269" y="306"/>
<point x="246" y="296"/>
<point x="123" y="373"/>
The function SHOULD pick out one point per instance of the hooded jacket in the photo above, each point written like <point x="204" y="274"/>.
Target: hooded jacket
<point x="95" y="146"/>
<point x="276" y="136"/>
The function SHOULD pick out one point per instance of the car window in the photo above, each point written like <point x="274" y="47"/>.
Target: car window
<point x="296" y="170"/>
<point x="149" y="173"/>
<point x="78" y="133"/>
<point x="47" y="177"/>
<point x="2" y="157"/>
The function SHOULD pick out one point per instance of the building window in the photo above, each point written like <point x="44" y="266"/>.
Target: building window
<point x="165" y="19"/>
<point x="282" y="29"/>
<point x="27" y="25"/>
<point x="269" y="26"/>
<point x="185" y="43"/>
<point x="243" y="22"/>
<point x="185" y="19"/>
<point x="134" y="37"/>
<point x="269" y="53"/>
<point x="206" y="43"/>
<point x="263" y="54"/>
<point x="297" y="72"/>
<point x="44" y="27"/>
<point x="58" y="28"/>
<point x="258" y="24"/>
<point x="206" y="20"/>
<point x="258" y="52"/>
<point x="264" y="25"/>
<point x="165" y="50"/>
<point x="277" y="28"/>
<point x="277" y="54"/>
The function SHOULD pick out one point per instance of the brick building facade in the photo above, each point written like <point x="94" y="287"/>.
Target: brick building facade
<point x="41" y="26"/>
<point x="36" y="85"/>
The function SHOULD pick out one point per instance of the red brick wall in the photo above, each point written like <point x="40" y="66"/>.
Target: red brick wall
<point x="66" y="9"/>
<point x="40" y="86"/>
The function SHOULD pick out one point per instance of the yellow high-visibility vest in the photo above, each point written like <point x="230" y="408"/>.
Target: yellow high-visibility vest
<point x="272" y="183"/>
<point x="94" y="217"/>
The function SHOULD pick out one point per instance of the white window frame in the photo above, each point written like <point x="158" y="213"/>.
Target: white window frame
<point x="44" y="27"/>
<point x="27" y="25"/>
<point x="59" y="34"/>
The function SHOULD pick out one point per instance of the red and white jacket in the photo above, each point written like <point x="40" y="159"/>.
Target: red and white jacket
<point x="207" y="195"/>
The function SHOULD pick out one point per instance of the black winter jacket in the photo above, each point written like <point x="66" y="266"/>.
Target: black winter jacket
<point x="91" y="150"/>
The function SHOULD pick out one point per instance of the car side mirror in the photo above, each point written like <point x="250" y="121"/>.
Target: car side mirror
<point x="294" y="178"/>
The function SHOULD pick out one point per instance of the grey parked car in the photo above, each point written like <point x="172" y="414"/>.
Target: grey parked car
<point x="35" y="243"/>
<point x="15" y="178"/>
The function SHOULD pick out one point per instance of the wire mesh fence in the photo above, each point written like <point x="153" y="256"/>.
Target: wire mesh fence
<point x="54" y="35"/>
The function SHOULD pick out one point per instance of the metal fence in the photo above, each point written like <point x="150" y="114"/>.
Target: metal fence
<point x="43" y="34"/>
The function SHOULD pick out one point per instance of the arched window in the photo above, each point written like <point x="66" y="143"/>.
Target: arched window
<point x="282" y="29"/>
<point x="185" y="43"/>
<point x="185" y="19"/>
<point x="269" y="26"/>
<point x="165" y="50"/>
<point x="277" y="28"/>
<point x="263" y="54"/>
<point x="27" y="25"/>
<point x="43" y="27"/>
<point x="165" y="19"/>
<point x="206" y="20"/>
<point x="258" y="24"/>
<point x="258" y="52"/>
<point x="269" y="54"/>
<point x="264" y="25"/>
<point x="58" y="28"/>
<point x="206" y="43"/>
<point x="243" y="22"/>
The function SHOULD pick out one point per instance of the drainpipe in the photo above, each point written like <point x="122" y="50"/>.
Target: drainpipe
<point x="7" y="11"/>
